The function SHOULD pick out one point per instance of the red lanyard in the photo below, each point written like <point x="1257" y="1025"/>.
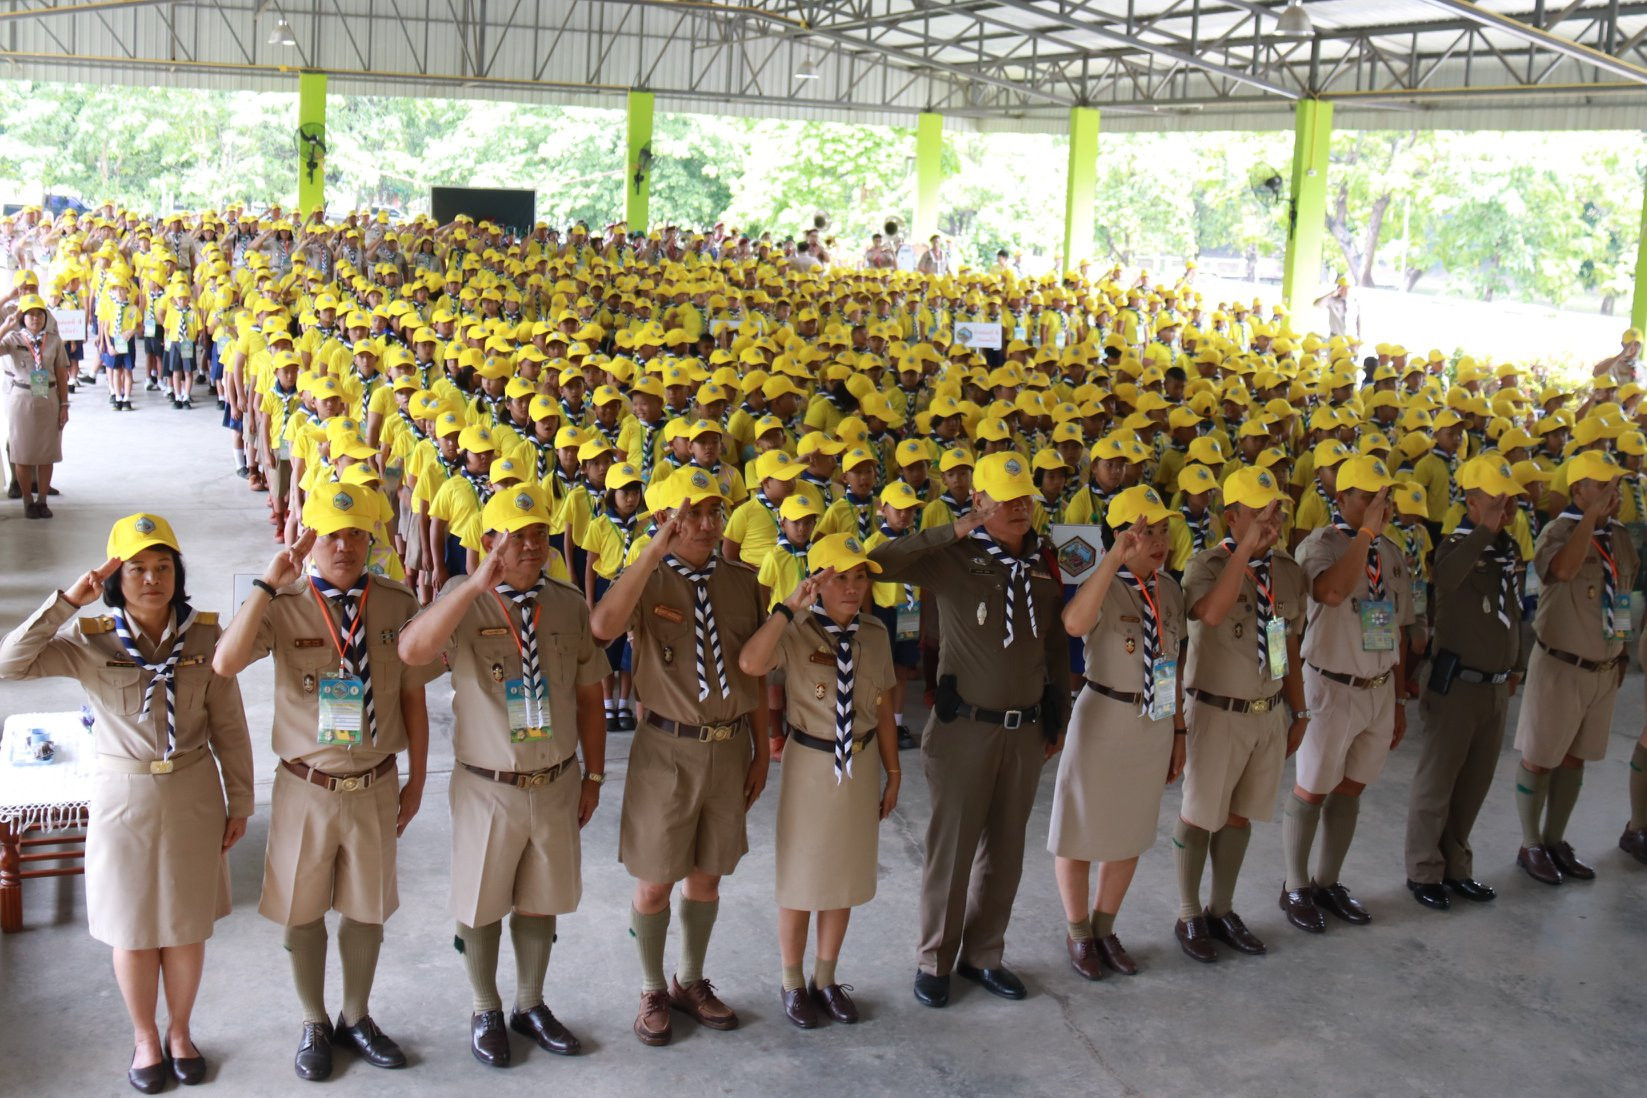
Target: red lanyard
<point x="37" y="348"/>
<point x="1612" y="566"/>
<point x="1269" y="597"/>
<point x="1160" y="636"/>
<point x="326" y="615"/>
<point x="514" y="631"/>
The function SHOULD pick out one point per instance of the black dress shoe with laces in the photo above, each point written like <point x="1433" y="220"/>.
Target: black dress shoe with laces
<point x="1337" y="899"/>
<point x="906" y="739"/>
<point x="933" y="991"/>
<point x="314" y="1052"/>
<point x="374" y="1046"/>
<point x="1229" y="929"/>
<point x="1000" y="981"/>
<point x="489" y="1038"/>
<point x="1430" y="894"/>
<point x="1471" y="889"/>
<point x="544" y="1028"/>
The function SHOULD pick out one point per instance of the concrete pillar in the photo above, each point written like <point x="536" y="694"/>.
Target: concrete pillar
<point x="311" y="112"/>
<point x="929" y="174"/>
<point x="1080" y="185"/>
<point x="1311" y="142"/>
<point x="637" y="188"/>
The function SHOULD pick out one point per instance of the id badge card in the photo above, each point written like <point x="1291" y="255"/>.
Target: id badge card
<point x="1421" y="597"/>
<point x="150" y="329"/>
<point x="1623" y="627"/>
<point x="1377" y="625"/>
<point x="119" y="346"/>
<point x="526" y="723"/>
<point x="342" y="711"/>
<point x="185" y="347"/>
<point x="1164" y="701"/>
<point x="1275" y="647"/>
<point x="909" y="623"/>
<point x="39" y="382"/>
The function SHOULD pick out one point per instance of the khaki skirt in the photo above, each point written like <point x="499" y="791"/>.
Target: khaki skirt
<point x="828" y="834"/>
<point x="1111" y="776"/>
<point x="156" y="874"/>
<point x="32" y="430"/>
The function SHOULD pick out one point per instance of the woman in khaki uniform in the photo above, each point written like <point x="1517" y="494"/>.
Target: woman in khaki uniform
<point x="830" y="801"/>
<point x="1122" y="749"/>
<point x="156" y="868"/>
<point x="36" y="371"/>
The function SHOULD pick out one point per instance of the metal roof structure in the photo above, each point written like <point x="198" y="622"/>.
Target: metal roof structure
<point x="984" y="64"/>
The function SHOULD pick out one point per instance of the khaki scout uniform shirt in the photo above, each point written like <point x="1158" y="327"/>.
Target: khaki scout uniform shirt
<point x="1223" y="659"/>
<point x="293" y="630"/>
<point x="807" y="654"/>
<point x="1332" y="640"/>
<point x="666" y="677"/>
<point x="483" y="655"/>
<point x="1569" y="617"/>
<point x="1468" y="592"/>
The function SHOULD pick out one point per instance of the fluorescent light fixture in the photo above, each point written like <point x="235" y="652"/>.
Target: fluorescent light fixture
<point x="1294" y="22"/>
<point x="808" y="70"/>
<point x="282" y="34"/>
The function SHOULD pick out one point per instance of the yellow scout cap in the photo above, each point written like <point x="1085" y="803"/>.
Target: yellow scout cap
<point x="842" y="552"/>
<point x="476" y="440"/>
<point x="622" y="476"/>
<point x="1137" y="502"/>
<point x="777" y="464"/>
<point x="692" y="485"/>
<point x="1253" y="487"/>
<point x="912" y="451"/>
<point x="1207" y="451"/>
<point x="1329" y="453"/>
<point x="1592" y="465"/>
<point x="341" y="507"/>
<point x="1003" y="477"/>
<point x="956" y="458"/>
<point x="1410" y="499"/>
<point x="1489" y="473"/>
<point x="1195" y="478"/>
<point x="857" y="456"/>
<point x="1530" y="472"/>
<point x="515" y="507"/>
<point x="800" y="504"/>
<point x="135" y="533"/>
<point x="899" y="495"/>
<point x="1365" y="472"/>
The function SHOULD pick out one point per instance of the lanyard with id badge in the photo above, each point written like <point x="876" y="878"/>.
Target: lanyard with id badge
<point x="1275" y="633"/>
<point x="39" y="376"/>
<point x="524" y="703"/>
<point x="342" y="696"/>
<point x="1616" y="623"/>
<point x="909" y="615"/>
<point x="1163" y="672"/>
<point x="1377" y="614"/>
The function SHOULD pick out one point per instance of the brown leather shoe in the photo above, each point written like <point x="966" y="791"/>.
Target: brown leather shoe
<point x="652" y="1021"/>
<point x="1568" y="862"/>
<point x="1083" y="958"/>
<point x="1229" y="929"/>
<point x="1113" y="955"/>
<point x="699" y="1000"/>
<point x="799" y="1008"/>
<point x="1538" y="864"/>
<point x="1634" y="843"/>
<point x="1337" y="899"/>
<point x="1196" y="939"/>
<point x="1299" y="904"/>
<point x="835" y="1000"/>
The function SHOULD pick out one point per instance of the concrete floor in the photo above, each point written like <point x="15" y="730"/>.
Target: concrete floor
<point x="1540" y="992"/>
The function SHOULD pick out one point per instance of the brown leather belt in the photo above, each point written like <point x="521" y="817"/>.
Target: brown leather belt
<point x="1236" y="705"/>
<point x="795" y="735"/>
<point x="1580" y="662"/>
<point x="703" y="733"/>
<point x="1351" y="680"/>
<point x="341" y="783"/>
<point x="527" y="779"/>
<point x="1118" y="695"/>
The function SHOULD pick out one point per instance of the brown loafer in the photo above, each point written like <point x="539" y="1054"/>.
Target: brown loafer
<point x="1299" y="904"/>
<point x="799" y="1008"/>
<point x="1196" y="939"/>
<point x="1634" y="843"/>
<point x="1337" y="899"/>
<point x="1538" y="864"/>
<point x="652" y="1020"/>
<point x="1111" y="952"/>
<point x="1229" y="929"/>
<point x="699" y="1000"/>
<point x="1561" y="854"/>
<point x="1083" y="958"/>
<point x="835" y="1000"/>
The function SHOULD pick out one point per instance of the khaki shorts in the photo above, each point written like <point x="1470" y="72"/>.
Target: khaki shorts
<point x="1233" y="764"/>
<point x="683" y="805"/>
<point x="1349" y="733"/>
<point x="330" y="850"/>
<point x="514" y="849"/>
<point x="1565" y="710"/>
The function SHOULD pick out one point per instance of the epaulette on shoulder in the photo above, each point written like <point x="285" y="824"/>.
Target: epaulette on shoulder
<point x="206" y="617"/>
<point x="91" y="627"/>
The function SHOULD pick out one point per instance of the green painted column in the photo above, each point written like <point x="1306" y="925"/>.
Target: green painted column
<point x="1638" y="305"/>
<point x="1311" y="142"/>
<point x="1081" y="185"/>
<point x="929" y="175"/>
<point x="637" y="188"/>
<point x="311" y="166"/>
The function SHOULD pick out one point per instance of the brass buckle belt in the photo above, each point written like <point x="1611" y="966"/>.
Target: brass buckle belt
<point x="529" y="779"/>
<point x="341" y="783"/>
<point x="1119" y="695"/>
<point x="181" y="761"/>
<point x="1006" y="718"/>
<point x="1580" y="662"/>
<point x="703" y="733"/>
<point x="1351" y="680"/>
<point x="1236" y="705"/>
<point x="795" y="735"/>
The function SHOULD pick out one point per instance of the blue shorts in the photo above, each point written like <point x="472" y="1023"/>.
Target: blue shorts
<point x="619" y="653"/>
<point x="905" y="653"/>
<point x="456" y="557"/>
<point x="126" y="361"/>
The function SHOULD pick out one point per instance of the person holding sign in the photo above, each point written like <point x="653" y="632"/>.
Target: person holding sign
<point x="37" y="400"/>
<point x="1587" y="567"/>
<point x="157" y="872"/>
<point x="526" y="676"/>
<point x="345" y="706"/>
<point x="1355" y="687"/>
<point x="1125" y="743"/>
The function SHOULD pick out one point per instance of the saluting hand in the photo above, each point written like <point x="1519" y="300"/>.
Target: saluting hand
<point x="490" y="570"/>
<point x="806" y="593"/>
<point x="980" y="514"/>
<point x="1377" y="515"/>
<point x="90" y="586"/>
<point x="669" y="531"/>
<point x="287" y="564"/>
<point x="1127" y="541"/>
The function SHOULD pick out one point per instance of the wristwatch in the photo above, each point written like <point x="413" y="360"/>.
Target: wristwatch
<point x="596" y="776"/>
<point x="1302" y="714"/>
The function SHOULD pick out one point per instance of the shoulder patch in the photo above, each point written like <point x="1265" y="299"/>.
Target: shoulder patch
<point x="208" y="617"/>
<point x="93" y="626"/>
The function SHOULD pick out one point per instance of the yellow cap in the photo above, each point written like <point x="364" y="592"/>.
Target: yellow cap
<point x="1003" y="477"/>
<point x="956" y="458"/>
<point x="135" y="533"/>
<point x="1253" y="487"/>
<point x="1137" y="502"/>
<point x="912" y="451"/>
<point x="341" y="507"/>
<point x="1410" y="499"/>
<point x="1330" y="452"/>
<point x="1490" y="473"/>
<point x="898" y="495"/>
<point x="1592" y="465"/>
<point x="476" y="440"/>
<point x="30" y="302"/>
<point x="1365" y="472"/>
<point x="622" y="476"/>
<point x="842" y="552"/>
<point x="1195" y="478"/>
<point x="692" y="485"/>
<point x="1530" y="472"/>
<point x="515" y="507"/>
<point x="777" y="464"/>
<point x="801" y="503"/>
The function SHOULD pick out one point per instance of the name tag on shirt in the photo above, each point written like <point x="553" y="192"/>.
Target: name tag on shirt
<point x="669" y="613"/>
<point x="342" y="711"/>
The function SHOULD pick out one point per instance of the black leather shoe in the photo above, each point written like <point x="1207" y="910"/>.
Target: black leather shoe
<point x="1539" y="865"/>
<point x="1634" y="842"/>
<point x="613" y="723"/>
<point x="1114" y="954"/>
<point x="488" y="1038"/>
<point x="190" y="1070"/>
<point x="626" y="720"/>
<point x="1299" y="904"/>
<point x="930" y="990"/>
<point x="997" y="981"/>
<point x="1196" y="939"/>
<point x="151" y="1079"/>
<point x="314" y="1052"/>
<point x="1229" y="929"/>
<point x="1565" y="860"/>
<point x="1430" y="894"/>
<point x="833" y="1000"/>
<point x="544" y="1028"/>
<point x="1471" y="889"/>
<point x="1337" y="899"/>
<point x="799" y="1008"/>
<point x="374" y="1046"/>
<point x="906" y="739"/>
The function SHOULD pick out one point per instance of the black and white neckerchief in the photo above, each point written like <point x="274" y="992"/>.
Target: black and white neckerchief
<point x="1603" y="541"/>
<point x="957" y="508"/>
<point x="356" y="658"/>
<point x="706" y="635"/>
<point x="911" y="599"/>
<point x="1263" y="605"/>
<point x="1455" y="494"/>
<point x="1502" y="553"/>
<point x="1200" y="527"/>
<point x="625" y="526"/>
<point x="863" y="510"/>
<point x="1018" y="598"/>
<point x="481" y="484"/>
<point x="1143" y="593"/>
<point x="452" y="466"/>
<point x="526" y="630"/>
<point x="1375" y="563"/>
<point x="407" y="418"/>
<point x="164" y="671"/>
<point x="771" y="508"/>
<point x="845" y="708"/>
<point x="796" y="551"/>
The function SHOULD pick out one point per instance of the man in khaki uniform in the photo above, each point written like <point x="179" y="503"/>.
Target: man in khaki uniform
<point x="1003" y="705"/>
<point x="526" y="676"/>
<point x="1588" y="568"/>
<point x="1355" y="687"/>
<point x="700" y="759"/>
<point x="1476" y="662"/>
<point x="345" y="706"/>
<point x="1246" y="611"/>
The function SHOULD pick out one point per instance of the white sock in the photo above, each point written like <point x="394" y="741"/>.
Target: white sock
<point x="897" y="718"/>
<point x="240" y="457"/>
<point x="623" y="705"/>
<point x="611" y="707"/>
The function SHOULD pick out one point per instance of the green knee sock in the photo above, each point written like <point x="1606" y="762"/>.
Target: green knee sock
<point x="1338" y="815"/>
<point x="1081" y="931"/>
<point x="307" y="946"/>
<point x="697" y="921"/>
<point x="793" y="978"/>
<point x="1189" y="854"/>
<point x="1297" y="836"/>
<point x="358" y="944"/>
<point x="479" y="946"/>
<point x="823" y="971"/>
<point x="533" y="936"/>
<point x="1638" y="788"/>
<point x="1531" y="791"/>
<point x="1103" y="924"/>
<point x="650" y="932"/>
<point x="1229" y="850"/>
<point x="1565" y="782"/>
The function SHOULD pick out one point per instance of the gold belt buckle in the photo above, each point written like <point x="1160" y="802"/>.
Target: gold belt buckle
<point x="349" y="785"/>
<point x="1381" y="679"/>
<point x="857" y="746"/>
<point x="1262" y="705"/>
<point x="537" y="781"/>
<point x="161" y="766"/>
<point x="722" y="733"/>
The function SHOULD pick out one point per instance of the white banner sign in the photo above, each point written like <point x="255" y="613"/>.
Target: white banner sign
<point x="982" y="336"/>
<point x="71" y="324"/>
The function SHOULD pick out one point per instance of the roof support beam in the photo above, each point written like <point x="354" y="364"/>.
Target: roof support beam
<point x="1544" y="39"/>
